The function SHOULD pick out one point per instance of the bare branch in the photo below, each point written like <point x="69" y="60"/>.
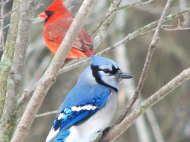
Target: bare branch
<point x="50" y="75"/>
<point x="180" y="27"/>
<point x="15" y="77"/>
<point x="2" y="25"/>
<point x="128" y="86"/>
<point x="154" y="125"/>
<point x="8" y="53"/>
<point x="183" y="5"/>
<point x="9" y="13"/>
<point x="176" y="29"/>
<point x="133" y="4"/>
<point x="47" y="113"/>
<point x="117" y="130"/>
<point x="115" y="7"/>
<point x="103" y="26"/>
<point x="147" y="63"/>
<point x="5" y="2"/>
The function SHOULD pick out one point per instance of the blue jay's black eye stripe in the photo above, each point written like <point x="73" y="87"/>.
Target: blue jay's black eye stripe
<point x="95" y="73"/>
<point x="114" y="70"/>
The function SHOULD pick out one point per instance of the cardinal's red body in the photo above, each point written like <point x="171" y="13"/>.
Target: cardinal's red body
<point x="58" y="20"/>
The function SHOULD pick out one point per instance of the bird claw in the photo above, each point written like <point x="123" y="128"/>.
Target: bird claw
<point x="104" y="134"/>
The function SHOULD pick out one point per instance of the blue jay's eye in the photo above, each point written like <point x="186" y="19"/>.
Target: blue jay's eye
<point x="106" y="71"/>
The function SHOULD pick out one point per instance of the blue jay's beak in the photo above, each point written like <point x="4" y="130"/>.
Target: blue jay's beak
<point x="123" y="75"/>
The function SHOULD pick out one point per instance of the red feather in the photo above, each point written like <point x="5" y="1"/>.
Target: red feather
<point x="58" y="20"/>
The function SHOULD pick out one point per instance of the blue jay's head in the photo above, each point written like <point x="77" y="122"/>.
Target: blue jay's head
<point x="107" y="72"/>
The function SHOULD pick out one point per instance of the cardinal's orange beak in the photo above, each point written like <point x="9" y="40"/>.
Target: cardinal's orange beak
<point x="43" y="15"/>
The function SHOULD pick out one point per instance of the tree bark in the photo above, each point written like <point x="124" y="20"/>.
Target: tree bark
<point x="51" y="73"/>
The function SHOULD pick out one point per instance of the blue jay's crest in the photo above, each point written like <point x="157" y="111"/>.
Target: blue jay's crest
<point x="91" y="104"/>
<point x="98" y="61"/>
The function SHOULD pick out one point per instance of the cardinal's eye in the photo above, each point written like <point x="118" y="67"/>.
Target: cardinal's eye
<point x="49" y="13"/>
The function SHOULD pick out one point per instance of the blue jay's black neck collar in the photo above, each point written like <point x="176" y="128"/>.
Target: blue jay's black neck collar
<point x="95" y="73"/>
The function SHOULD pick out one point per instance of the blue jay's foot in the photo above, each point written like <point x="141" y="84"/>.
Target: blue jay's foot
<point x="104" y="134"/>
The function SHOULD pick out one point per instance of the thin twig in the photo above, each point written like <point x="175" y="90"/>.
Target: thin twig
<point x="5" y="2"/>
<point x="104" y="25"/>
<point x="183" y="5"/>
<point x="147" y="63"/>
<point x="35" y="21"/>
<point x="47" y="113"/>
<point x="112" y="10"/>
<point x="133" y="4"/>
<point x="9" y="13"/>
<point x="154" y="125"/>
<point x="180" y="26"/>
<point x="6" y="26"/>
<point x="176" y="29"/>
<point x="44" y="114"/>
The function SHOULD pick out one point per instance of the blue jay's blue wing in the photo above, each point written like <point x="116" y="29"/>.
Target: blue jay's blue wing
<point x="74" y="115"/>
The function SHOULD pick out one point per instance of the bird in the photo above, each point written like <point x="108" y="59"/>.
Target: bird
<point x="90" y="106"/>
<point x="57" y="22"/>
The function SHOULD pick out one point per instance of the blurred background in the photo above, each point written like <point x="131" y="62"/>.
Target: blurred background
<point x="168" y="120"/>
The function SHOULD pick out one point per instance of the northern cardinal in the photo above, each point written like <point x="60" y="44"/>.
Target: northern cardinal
<point x="57" y="22"/>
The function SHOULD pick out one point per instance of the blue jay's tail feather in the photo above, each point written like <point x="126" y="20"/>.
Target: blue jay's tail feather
<point x="91" y="104"/>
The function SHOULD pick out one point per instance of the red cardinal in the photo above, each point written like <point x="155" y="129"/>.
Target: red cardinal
<point x="57" y="22"/>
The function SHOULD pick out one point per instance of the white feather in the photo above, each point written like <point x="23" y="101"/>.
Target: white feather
<point x="52" y="134"/>
<point x="89" y="130"/>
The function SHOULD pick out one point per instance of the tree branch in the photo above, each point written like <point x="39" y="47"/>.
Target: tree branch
<point x="47" y="113"/>
<point x="183" y="5"/>
<point x="117" y="130"/>
<point x="147" y="63"/>
<point x="5" y="2"/>
<point x="111" y="11"/>
<point x="14" y="82"/>
<point x="9" y="13"/>
<point x="104" y="25"/>
<point x="179" y="27"/>
<point x="6" y="60"/>
<point x="2" y="25"/>
<point x="50" y="75"/>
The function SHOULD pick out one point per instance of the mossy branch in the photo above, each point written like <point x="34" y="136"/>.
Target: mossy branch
<point x="7" y="58"/>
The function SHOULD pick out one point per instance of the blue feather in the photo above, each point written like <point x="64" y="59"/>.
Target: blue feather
<point x="90" y="94"/>
<point x="70" y="117"/>
<point x="62" y="136"/>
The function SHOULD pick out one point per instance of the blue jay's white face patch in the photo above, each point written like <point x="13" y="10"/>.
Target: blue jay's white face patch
<point x="52" y="134"/>
<point x="108" y="67"/>
<point x="86" y="107"/>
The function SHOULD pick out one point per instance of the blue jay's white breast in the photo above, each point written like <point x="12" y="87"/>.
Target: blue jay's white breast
<point x="91" y="128"/>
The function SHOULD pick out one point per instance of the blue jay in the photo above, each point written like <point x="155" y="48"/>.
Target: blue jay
<point x="91" y="104"/>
